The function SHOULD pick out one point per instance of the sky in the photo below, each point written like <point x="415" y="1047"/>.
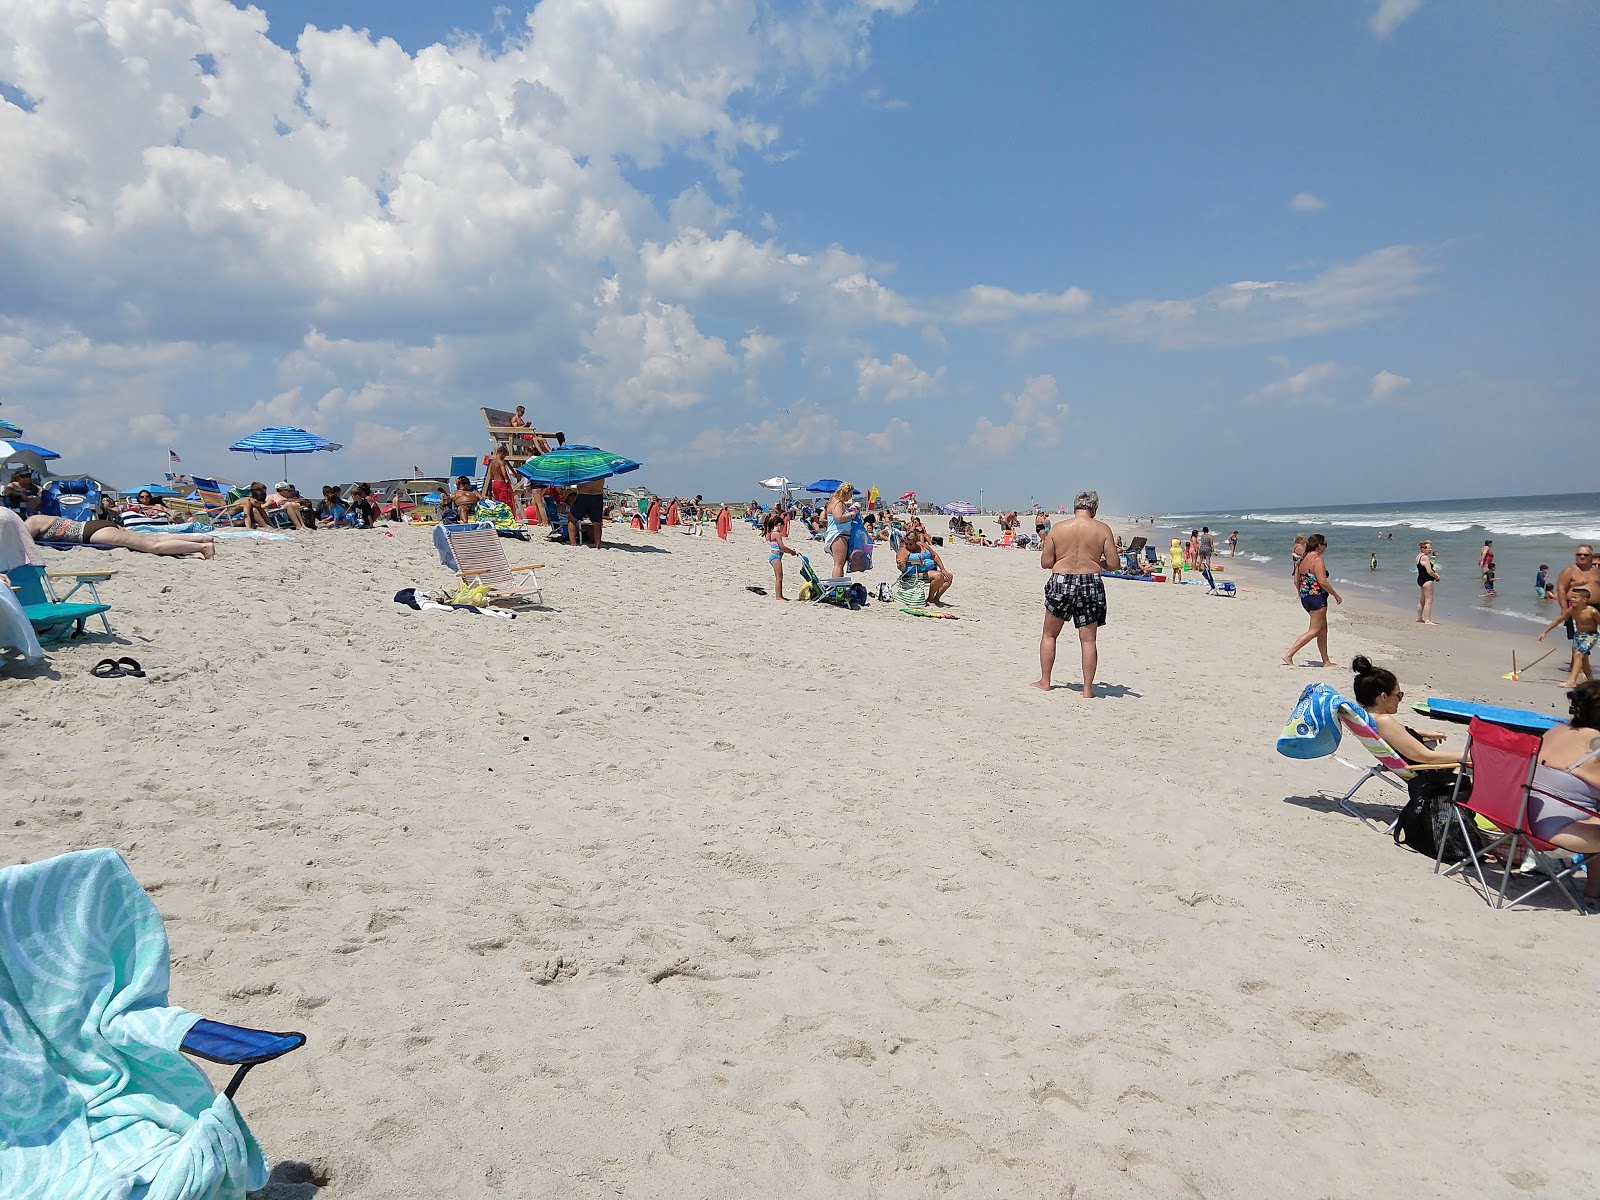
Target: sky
<point x="1269" y="253"/>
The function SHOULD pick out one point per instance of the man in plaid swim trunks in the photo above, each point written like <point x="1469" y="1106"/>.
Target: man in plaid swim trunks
<point x="1075" y="552"/>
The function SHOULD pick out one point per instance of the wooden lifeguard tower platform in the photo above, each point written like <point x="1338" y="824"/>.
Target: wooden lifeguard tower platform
<point x="520" y="444"/>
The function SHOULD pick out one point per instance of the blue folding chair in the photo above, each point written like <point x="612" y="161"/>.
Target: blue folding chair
<point x="101" y="1099"/>
<point x="77" y="499"/>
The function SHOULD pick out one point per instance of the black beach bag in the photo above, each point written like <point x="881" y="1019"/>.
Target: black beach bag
<point x="1427" y="820"/>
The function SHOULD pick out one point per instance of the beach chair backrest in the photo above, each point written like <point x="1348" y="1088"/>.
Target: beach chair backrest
<point x="478" y="553"/>
<point x="210" y="493"/>
<point x="1502" y="767"/>
<point x="77" y="499"/>
<point x="29" y="582"/>
<point x="1373" y="741"/>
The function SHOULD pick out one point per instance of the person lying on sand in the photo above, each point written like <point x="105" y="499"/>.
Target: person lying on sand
<point x="109" y="533"/>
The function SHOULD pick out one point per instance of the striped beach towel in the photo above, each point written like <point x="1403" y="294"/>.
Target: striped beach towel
<point x="1320" y="715"/>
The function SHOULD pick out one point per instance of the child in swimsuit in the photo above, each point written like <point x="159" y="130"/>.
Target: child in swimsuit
<point x="772" y="530"/>
<point x="1585" y="618"/>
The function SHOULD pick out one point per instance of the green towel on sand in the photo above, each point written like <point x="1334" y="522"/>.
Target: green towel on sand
<point x="95" y="1099"/>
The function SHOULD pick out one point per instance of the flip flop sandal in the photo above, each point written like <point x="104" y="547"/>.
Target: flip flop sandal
<point x="106" y="668"/>
<point x="760" y="591"/>
<point x="131" y="667"/>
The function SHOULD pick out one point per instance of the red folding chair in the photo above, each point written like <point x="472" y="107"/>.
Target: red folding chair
<point x="1503" y="762"/>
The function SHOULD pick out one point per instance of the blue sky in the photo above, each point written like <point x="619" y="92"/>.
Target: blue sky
<point x="1265" y="253"/>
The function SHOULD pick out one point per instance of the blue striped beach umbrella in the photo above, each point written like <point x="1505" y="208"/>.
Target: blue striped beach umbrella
<point x="283" y="440"/>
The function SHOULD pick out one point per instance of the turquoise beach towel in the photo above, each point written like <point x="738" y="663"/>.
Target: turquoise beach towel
<point x="1312" y="730"/>
<point x="95" y="1099"/>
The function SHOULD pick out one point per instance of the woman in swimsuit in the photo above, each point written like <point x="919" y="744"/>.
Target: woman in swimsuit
<point x="1427" y="576"/>
<point x="772" y="530"/>
<point x="923" y="575"/>
<point x="836" y="537"/>
<point x="109" y="533"/>
<point x="1564" y="799"/>
<point x="145" y="506"/>
<point x="1312" y="583"/>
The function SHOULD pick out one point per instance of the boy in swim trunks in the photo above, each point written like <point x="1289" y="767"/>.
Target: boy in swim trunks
<point x="1585" y="618"/>
<point x="1075" y="552"/>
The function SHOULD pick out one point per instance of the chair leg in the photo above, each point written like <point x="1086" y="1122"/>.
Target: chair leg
<point x="1506" y="868"/>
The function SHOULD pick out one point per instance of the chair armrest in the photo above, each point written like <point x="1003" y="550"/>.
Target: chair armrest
<point x="97" y="576"/>
<point x="528" y="567"/>
<point x="236" y="1045"/>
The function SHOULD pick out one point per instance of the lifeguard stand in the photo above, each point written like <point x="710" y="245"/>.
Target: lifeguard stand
<point x="519" y="443"/>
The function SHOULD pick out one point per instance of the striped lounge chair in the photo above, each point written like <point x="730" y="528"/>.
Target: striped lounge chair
<point x="477" y="555"/>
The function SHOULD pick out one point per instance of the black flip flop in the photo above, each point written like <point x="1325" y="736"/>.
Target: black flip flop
<point x="106" y="668"/>
<point x="131" y="667"/>
<point x="760" y="591"/>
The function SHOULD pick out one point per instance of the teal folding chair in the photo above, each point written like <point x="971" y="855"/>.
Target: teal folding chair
<point x="53" y="621"/>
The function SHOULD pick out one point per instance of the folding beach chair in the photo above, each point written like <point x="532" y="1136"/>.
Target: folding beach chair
<point x="1389" y="766"/>
<point x="1503" y="762"/>
<point x="479" y="556"/>
<point x="100" y="1100"/>
<point x="213" y="500"/>
<point x="53" y="620"/>
<point x="828" y="591"/>
<point x="76" y="499"/>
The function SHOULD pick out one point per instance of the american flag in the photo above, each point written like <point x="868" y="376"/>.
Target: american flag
<point x="172" y="456"/>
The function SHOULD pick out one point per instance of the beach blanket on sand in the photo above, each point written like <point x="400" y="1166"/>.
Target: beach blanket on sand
<point x="1314" y="727"/>
<point x="97" y="1101"/>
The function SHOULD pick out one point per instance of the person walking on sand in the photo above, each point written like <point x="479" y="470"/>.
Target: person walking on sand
<point x="1427" y="576"/>
<point x="1314" y="589"/>
<point x="1208" y="547"/>
<point x="1075" y="552"/>
<point x="1585" y="571"/>
<point x="1581" y="613"/>
<point x="772" y="529"/>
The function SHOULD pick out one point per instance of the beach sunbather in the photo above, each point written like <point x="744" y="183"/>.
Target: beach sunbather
<point x="301" y="512"/>
<point x="1564" y="801"/>
<point x="464" y="499"/>
<point x="109" y="533"/>
<point x="1378" y="691"/>
<point x="145" y="507"/>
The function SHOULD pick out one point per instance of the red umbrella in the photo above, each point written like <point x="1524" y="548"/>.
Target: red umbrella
<point x="909" y="496"/>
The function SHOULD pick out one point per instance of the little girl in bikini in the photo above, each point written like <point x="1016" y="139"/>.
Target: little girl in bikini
<point x="772" y="530"/>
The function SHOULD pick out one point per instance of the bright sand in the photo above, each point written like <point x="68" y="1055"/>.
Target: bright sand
<point x="786" y="900"/>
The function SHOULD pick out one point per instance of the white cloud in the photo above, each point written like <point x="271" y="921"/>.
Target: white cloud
<point x="1036" y="417"/>
<point x="983" y="302"/>
<point x="803" y="431"/>
<point x="760" y="348"/>
<point x="895" y="381"/>
<point x="1306" y="202"/>
<point x="649" y="362"/>
<point x="1303" y="387"/>
<point x="1390" y="13"/>
<point x="1252" y="311"/>
<point x="1385" y="384"/>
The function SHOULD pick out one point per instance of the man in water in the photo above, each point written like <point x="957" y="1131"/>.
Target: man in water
<point x="1584" y="570"/>
<point x="1485" y="558"/>
<point x="1075" y="552"/>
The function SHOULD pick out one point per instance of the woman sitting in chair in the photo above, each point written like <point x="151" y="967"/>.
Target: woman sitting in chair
<point x="923" y="576"/>
<point x="1564" y="801"/>
<point x="144" y="510"/>
<point x="1378" y="691"/>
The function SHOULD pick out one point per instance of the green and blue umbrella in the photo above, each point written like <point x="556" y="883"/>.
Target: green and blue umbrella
<point x="283" y="440"/>
<point x="572" y="465"/>
<point x="7" y="429"/>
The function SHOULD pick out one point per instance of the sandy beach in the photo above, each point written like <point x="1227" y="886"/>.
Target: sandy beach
<point x="672" y="890"/>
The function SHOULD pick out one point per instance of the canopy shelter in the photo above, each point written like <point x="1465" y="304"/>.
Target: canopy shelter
<point x="283" y="440"/>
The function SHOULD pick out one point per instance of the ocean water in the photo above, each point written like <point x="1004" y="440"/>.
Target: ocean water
<point x="1526" y="531"/>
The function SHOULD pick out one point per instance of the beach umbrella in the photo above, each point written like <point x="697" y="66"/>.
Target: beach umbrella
<point x="283" y="440"/>
<point x="10" y="449"/>
<point x="7" y="429"/>
<point x="572" y="465"/>
<point x="824" y="485"/>
<point x="155" y="489"/>
<point x="963" y="508"/>
<point x="779" y="483"/>
<point x="908" y="495"/>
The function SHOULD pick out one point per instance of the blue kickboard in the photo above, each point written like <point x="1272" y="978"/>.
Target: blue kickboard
<point x="1511" y="718"/>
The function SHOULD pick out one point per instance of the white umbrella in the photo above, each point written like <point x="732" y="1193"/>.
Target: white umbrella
<point x="779" y="483"/>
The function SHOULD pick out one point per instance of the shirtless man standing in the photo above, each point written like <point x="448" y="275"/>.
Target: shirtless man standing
<point x="1585" y="570"/>
<point x="1075" y="552"/>
<point x="588" y="504"/>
